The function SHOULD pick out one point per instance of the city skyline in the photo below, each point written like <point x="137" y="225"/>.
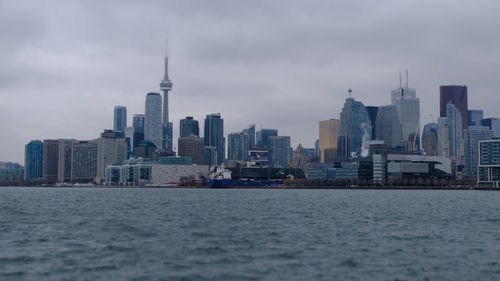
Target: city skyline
<point x="52" y="88"/>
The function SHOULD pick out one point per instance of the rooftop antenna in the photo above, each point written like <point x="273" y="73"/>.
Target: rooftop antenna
<point x="350" y="92"/>
<point x="407" y="79"/>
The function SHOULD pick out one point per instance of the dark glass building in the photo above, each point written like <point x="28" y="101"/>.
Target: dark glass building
<point x="33" y="160"/>
<point x="372" y="112"/>
<point x="263" y="137"/>
<point x="189" y="127"/>
<point x="214" y="136"/>
<point x="456" y="95"/>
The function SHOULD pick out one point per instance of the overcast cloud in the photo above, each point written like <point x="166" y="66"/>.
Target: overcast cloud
<point x="278" y="64"/>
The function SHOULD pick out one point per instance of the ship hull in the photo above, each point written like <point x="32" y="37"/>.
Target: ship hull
<point x="243" y="184"/>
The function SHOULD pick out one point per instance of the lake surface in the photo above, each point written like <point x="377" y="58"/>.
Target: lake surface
<point x="203" y="234"/>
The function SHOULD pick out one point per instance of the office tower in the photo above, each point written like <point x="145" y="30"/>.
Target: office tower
<point x="455" y="130"/>
<point x="210" y="155"/>
<point x="355" y="130"/>
<point x="33" y="160"/>
<point x="152" y="119"/>
<point x="475" y="117"/>
<point x="372" y="112"/>
<point x="120" y="118"/>
<point x="279" y="151"/>
<point x="493" y="124"/>
<point x="489" y="163"/>
<point x="317" y="150"/>
<point x="129" y="139"/>
<point x="189" y="127"/>
<point x="138" y="125"/>
<point x="472" y="136"/>
<point x="84" y="161"/>
<point x="430" y="139"/>
<point x="167" y="126"/>
<point x="262" y="136"/>
<point x="65" y="158"/>
<point x="111" y="150"/>
<point x="50" y="160"/>
<point x="408" y="107"/>
<point x="456" y="95"/>
<point x="192" y="146"/>
<point x="250" y="131"/>
<point x="145" y="149"/>
<point x="443" y="137"/>
<point x="237" y="146"/>
<point x="328" y="134"/>
<point x="388" y="126"/>
<point x="214" y="136"/>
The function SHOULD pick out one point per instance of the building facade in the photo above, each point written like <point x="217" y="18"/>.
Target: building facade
<point x="489" y="163"/>
<point x="372" y="112"/>
<point x="454" y="131"/>
<point x="355" y="130"/>
<point x="214" y="136"/>
<point x="250" y="131"/>
<point x="192" y="147"/>
<point x="33" y="160"/>
<point x="408" y="107"/>
<point x="328" y="134"/>
<point x="430" y="139"/>
<point x="279" y="151"/>
<point x="472" y="136"/>
<point x="493" y="124"/>
<point x="474" y="117"/>
<point x="237" y="146"/>
<point x="111" y="149"/>
<point x="456" y="95"/>
<point x="188" y="127"/>
<point x="120" y="118"/>
<point x="50" y="160"/>
<point x="388" y="126"/>
<point x="152" y="119"/>
<point x="262" y="136"/>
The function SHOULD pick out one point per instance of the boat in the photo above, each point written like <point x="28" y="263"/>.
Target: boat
<point x="221" y="178"/>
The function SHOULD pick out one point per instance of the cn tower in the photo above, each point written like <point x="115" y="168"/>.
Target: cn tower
<point x="166" y="87"/>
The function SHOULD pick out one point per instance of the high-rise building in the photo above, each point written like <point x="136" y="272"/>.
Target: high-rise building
<point x="237" y="146"/>
<point x="120" y="118"/>
<point x="372" y="112"/>
<point x="33" y="160"/>
<point x="388" y="126"/>
<point x="475" y="117"/>
<point x="456" y="95"/>
<point x="430" y="139"/>
<point x="489" y="163"/>
<point x="84" y="161"/>
<point x="50" y="160"/>
<point x="455" y="130"/>
<point x="328" y="134"/>
<point x="65" y="158"/>
<point x="262" y="136"/>
<point x="214" y="136"/>
<point x="408" y="108"/>
<point x="167" y="126"/>
<point x="355" y="130"/>
<point x="189" y="127"/>
<point x="279" y="151"/>
<point x="472" y="136"/>
<point x="138" y="125"/>
<point x="193" y="147"/>
<point x="493" y="124"/>
<point x="152" y="119"/>
<point x="111" y="150"/>
<point x="443" y="137"/>
<point x="250" y="131"/>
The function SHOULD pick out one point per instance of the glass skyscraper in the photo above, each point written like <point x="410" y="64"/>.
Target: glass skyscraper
<point x="188" y="127"/>
<point x="355" y="130"/>
<point x="456" y="95"/>
<point x="33" y="160"/>
<point x="214" y="136"/>
<point x="388" y="126"/>
<point x="454" y="130"/>
<point x="430" y="139"/>
<point x="279" y="151"/>
<point x="263" y="136"/>
<point x="475" y="117"/>
<point x="152" y="119"/>
<point x="237" y="146"/>
<point x="250" y="131"/>
<point x="372" y="112"/>
<point x="472" y="136"/>
<point x="408" y="108"/>
<point x="120" y="119"/>
<point x="493" y="124"/>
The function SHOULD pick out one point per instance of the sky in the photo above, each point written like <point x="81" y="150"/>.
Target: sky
<point x="276" y="64"/>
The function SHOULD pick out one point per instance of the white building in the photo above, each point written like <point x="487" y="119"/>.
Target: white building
<point x="152" y="121"/>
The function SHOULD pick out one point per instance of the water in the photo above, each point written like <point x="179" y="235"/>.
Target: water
<point x="201" y="234"/>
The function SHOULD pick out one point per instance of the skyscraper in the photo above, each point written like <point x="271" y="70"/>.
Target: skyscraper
<point x="493" y="124"/>
<point x="408" y="108"/>
<point x="152" y="120"/>
<point x="372" y="112"/>
<point x="472" y="136"/>
<point x="192" y="147"/>
<point x="388" y="126"/>
<point x="250" y="131"/>
<point x="237" y="146"/>
<point x="443" y="137"/>
<point x="120" y="118"/>
<point x="189" y="127"/>
<point x="475" y="117"/>
<point x="111" y="149"/>
<point x="430" y="139"/>
<point x="262" y="136"/>
<point x="50" y="160"/>
<point x="33" y="160"/>
<point x="328" y="134"/>
<point x="138" y="125"/>
<point x="214" y="136"/>
<point x="455" y="130"/>
<point x="167" y="126"/>
<point x="355" y="129"/>
<point x="279" y="151"/>
<point x="456" y="95"/>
